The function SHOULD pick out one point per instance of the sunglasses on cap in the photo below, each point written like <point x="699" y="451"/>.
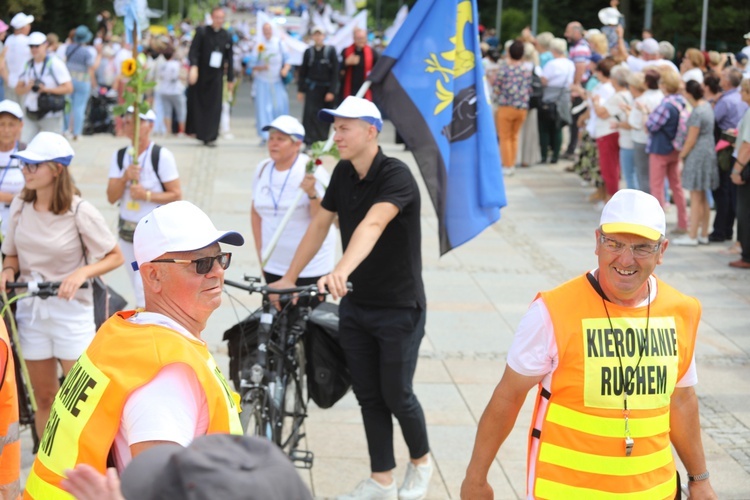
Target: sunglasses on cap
<point x="204" y="264"/>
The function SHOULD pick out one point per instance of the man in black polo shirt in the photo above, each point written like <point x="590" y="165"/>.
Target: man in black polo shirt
<point x="382" y="321"/>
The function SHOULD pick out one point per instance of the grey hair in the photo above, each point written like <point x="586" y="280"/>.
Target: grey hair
<point x="666" y="50"/>
<point x="559" y="45"/>
<point x="544" y="39"/>
<point x="620" y="75"/>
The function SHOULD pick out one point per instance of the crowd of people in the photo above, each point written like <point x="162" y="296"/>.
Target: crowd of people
<point x="635" y="119"/>
<point x="632" y="115"/>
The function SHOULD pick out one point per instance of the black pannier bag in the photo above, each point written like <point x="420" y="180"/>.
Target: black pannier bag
<point x="328" y="377"/>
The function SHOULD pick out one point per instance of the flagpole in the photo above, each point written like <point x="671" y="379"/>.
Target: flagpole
<point x="288" y="215"/>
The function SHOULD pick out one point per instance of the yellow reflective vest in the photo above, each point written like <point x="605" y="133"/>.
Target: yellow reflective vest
<point x="579" y="423"/>
<point x="86" y="413"/>
<point x="10" y="445"/>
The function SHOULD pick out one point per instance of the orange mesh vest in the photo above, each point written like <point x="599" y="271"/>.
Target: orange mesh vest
<point x="10" y="445"/>
<point x="581" y="450"/>
<point x="86" y="413"/>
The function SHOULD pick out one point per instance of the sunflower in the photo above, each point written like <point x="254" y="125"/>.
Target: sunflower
<point x="261" y="47"/>
<point x="128" y="67"/>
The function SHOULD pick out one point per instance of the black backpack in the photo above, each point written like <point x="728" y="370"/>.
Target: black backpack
<point x="155" y="153"/>
<point x="536" y="91"/>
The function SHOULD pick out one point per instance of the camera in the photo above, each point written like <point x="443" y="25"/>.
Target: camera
<point x="35" y="87"/>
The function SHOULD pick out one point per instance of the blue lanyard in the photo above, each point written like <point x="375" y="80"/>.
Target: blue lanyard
<point x="10" y="160"/>
<point x="270" y="184"/>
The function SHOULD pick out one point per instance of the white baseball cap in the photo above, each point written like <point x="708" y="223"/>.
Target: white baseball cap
<point x="36" y="38"/>
<point x="288" y="125"/>
<point x="747" y="35"/>
<point x="148" y="115"/>
<point x="650" y="46"/>
<point x="20" y="20"/>
<point x="47" y="146"/>
<point x="634" y="212"/>
<point x="354" y="107"/>
<point x="12" y="108"/>
<point x="317" y="29"/>
<point x="179" y="226"/>
<point x="609" y="16"/>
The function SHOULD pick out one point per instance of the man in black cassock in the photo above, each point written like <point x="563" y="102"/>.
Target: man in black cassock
<point x="317" y="85"/>
<point x="210" y="56"/>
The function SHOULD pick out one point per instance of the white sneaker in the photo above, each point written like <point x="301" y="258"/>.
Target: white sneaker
<point x="509" y="171"/>
<point x="369" y="489"/>
<point x="703" y="240"/>
<point x="416" y="481"/>
<point x="685" y="241"/>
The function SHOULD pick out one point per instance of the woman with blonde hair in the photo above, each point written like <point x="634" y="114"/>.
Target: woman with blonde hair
<point x="54" y="235"/>
<point x="692" y="66"/>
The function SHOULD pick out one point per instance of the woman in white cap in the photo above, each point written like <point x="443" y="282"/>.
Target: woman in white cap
<point x="11" y="178"/>
<point x="274" y="189"/>
<point x="52" y="233"/>
<point x="43" y="85"/>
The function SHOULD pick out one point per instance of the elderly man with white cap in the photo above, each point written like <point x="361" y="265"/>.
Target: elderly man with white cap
<point x="140" y="188"/>
<point x="612" y="355"/>
<point x="17" y="53"/>
<point x="275" y="190"/>
<point x="147" y="378"/>
<point x="43" y="85"/>
<point x="381" y="326"/>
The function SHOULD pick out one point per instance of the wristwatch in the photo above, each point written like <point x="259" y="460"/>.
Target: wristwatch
<point x="699" y="477"/>
<point x="313" y="197"/>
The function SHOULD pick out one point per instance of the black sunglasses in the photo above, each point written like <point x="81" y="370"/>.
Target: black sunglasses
<point x="204" y="264"/>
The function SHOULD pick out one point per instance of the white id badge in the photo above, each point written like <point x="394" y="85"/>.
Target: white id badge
<point x="215" y="61"/>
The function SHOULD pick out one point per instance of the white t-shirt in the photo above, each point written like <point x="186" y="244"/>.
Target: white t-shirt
<point x="534" y="353"/>
<point x="559" y="72"/>
<point x="149" y="180"/>
<point x="168" y="78"/>
<point x="625" y="140"/>
<point x="635" y="63"/>
<point x="693" y="74"/>
<point x="273" y="193"/>
<point x="11" y="181"/>
<point x="171" y="407"/>
<point x="44" y="72"/>
<point x="17" y="55"/>
<point x="597" y="127"/>
<point x="651" y="99"/>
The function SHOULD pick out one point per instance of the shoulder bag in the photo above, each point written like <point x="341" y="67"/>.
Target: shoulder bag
<point x="106" y="300"/>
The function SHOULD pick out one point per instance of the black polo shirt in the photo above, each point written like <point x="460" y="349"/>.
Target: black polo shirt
<point x="391" y="276"/>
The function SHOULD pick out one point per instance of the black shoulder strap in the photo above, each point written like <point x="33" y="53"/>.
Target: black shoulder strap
<point x="80" y="237"/>
<point x="121" y="157"/>
<point x="155" y="155"/>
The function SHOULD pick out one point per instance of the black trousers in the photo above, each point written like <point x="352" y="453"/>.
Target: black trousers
<point x="550" y="137"/>
<point x="725" y="201"/>
<point x="743" y="220"/>
<point x="574" y="127"/>
<point x="315" y="128"/>
<point x="382" y="347"/>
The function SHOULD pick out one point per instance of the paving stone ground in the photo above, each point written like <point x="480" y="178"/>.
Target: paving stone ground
<point x="476" y="296"/>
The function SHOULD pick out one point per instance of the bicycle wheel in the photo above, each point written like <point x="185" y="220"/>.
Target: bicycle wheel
<point x="254" y="415"/>
<point x="294" y="403"/>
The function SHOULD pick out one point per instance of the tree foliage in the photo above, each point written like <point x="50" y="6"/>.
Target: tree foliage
<point x="677" y="21"/>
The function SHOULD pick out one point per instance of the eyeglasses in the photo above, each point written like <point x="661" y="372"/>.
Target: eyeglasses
<point x="639" y="251"/>
<point x="204" y="264"/>
<point x="34" y="46"/>
<point x="31" y="167"/>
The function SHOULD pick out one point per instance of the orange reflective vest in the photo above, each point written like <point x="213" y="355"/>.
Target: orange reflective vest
<point x="86" y="413"/>
<point x="10" y="445"/>
<point x="580" y="423"/>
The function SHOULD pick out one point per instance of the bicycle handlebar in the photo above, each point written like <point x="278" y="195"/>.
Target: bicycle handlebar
<point x="39" y="288"/>
<point x="253" y="286"/>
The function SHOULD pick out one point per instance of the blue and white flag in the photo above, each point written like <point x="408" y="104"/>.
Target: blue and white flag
<point x="430" y="83"/>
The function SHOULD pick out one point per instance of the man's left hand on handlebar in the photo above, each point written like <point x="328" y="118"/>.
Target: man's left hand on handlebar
<point x="282" y="284"/>
<point x="335" y="283"/>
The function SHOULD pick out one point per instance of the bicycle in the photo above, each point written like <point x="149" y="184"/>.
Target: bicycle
<point x="26" y="402"/>
<point x="269" y="370"/>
